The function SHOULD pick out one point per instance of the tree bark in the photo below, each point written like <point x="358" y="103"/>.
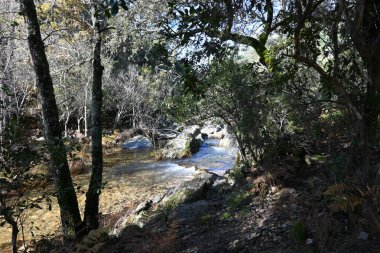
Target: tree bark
<point x="67" y="199"/>
<point x="91" y="212"/>
<point x="14" y="235"/>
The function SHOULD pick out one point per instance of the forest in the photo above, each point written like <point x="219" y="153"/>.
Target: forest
<point x="190" y="126"/>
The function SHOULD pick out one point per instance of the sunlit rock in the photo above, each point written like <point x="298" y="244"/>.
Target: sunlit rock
<point x="138" y="142"/>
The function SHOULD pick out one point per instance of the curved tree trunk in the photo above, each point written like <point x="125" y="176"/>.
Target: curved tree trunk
<point x="67" y="199"/>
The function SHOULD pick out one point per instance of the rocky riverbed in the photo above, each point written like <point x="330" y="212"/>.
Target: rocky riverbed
<point x="131" y="176"/>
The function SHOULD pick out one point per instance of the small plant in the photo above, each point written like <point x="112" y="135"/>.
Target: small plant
<point x="347" y="197"/>
<point x="237" y="172"/>
<point x="226" y="216"/>
<point x="205" y="219"/>
<point x="245" y="211"/>
<point x="93" y="241"/>
<point x="238" y="199"/>
<point x="300" y="232"/>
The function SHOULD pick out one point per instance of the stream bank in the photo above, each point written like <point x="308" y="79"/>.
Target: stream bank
<point x="130" y="176"/>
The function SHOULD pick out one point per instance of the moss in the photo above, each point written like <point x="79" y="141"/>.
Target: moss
<point x="238" y="199"/>
<point x="187" y="149"/>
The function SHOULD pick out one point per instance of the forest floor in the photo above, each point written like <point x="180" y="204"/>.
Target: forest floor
<point x="258" y="214"/>
<point x="265" y="211"/>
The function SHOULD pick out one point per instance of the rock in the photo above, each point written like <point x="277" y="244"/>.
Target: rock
<point x="120" y="225"/>
<point x="190" y="212"/>
<point x="236" y="246"/>
<point x="194" y="130"/>
<point x="44" y="246"/>
<point x="185" y="144"/>
<point x="213" y="132"/>
<point x="131" y="231"/>
<point x="192" y="190"/>
<point x="309" y="241"/>
<point x="228" y="141"/>
<point x="363" y="236"/>
<point x="138" y="142"/>
<point x="157" y="199"/>
<point x="143" y="206"/>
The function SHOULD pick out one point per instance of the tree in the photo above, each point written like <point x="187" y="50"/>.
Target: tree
<point x="359" y="22"/>
<point x="330" y="37"/>
<point x="99" y="22"/>
<point x="67" y="200"/>
<point x="211" y="25"/>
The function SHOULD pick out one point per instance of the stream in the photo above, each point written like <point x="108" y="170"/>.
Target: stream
<point x="130" y="176"/>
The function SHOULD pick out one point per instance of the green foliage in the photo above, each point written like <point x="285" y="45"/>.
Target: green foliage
<point x="239" y="199"/>
<point x="245" y="211"/>
<point x="237" y="171"/>
<point x="226" y="216"/>
<point x="205" y="219"/>
<point x="300" y="231"/>
<point x="348" y="197"/>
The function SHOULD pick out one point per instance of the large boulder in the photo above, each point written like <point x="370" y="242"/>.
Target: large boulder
<point x="228" y="141"/>
<point x="192" y="190"/>
<point x="185" y="144"/>
<point x="213" y="132"/>
<point x="191" y="212"/>
<point x="138" y="142"/>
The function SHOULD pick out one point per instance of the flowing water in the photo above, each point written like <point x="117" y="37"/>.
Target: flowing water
<point x="130" y="177"/>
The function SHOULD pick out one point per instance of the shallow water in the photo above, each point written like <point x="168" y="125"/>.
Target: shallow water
<point x="130" y="177"/>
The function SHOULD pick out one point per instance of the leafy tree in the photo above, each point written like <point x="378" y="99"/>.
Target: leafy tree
<point x="70" y="216"/>
<point x="211" y="25"/>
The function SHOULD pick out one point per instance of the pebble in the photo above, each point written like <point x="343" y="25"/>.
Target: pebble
<point x="363" y="236"/>
<point x="309" y="241"/>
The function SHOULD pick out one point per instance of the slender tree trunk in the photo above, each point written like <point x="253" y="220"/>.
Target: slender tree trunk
<point x="67" y="199"/>
<point x="66" y="123"/>
<point x="91" y="211"/>
<point x="14" y="236"/>
<point x="85" y="110"/>
<point x="78" y="125"/>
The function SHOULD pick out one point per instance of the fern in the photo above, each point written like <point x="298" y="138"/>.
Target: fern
<point x="347" y="197"/>
<point x="93" y="241"/>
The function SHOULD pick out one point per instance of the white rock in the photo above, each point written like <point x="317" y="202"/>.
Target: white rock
<point x="363" y="236"/>
<point x="309" y="241"/>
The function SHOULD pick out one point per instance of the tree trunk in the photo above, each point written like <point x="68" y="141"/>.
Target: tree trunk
<point x="14" y="236"/>
<point x="85" y="110"/>
<point x="67" y="199"/>
<point x="15" y="231"/>
<point x="66" y="124"/>
<point x="369" y="124"/>
<point x="91" y="212"/>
